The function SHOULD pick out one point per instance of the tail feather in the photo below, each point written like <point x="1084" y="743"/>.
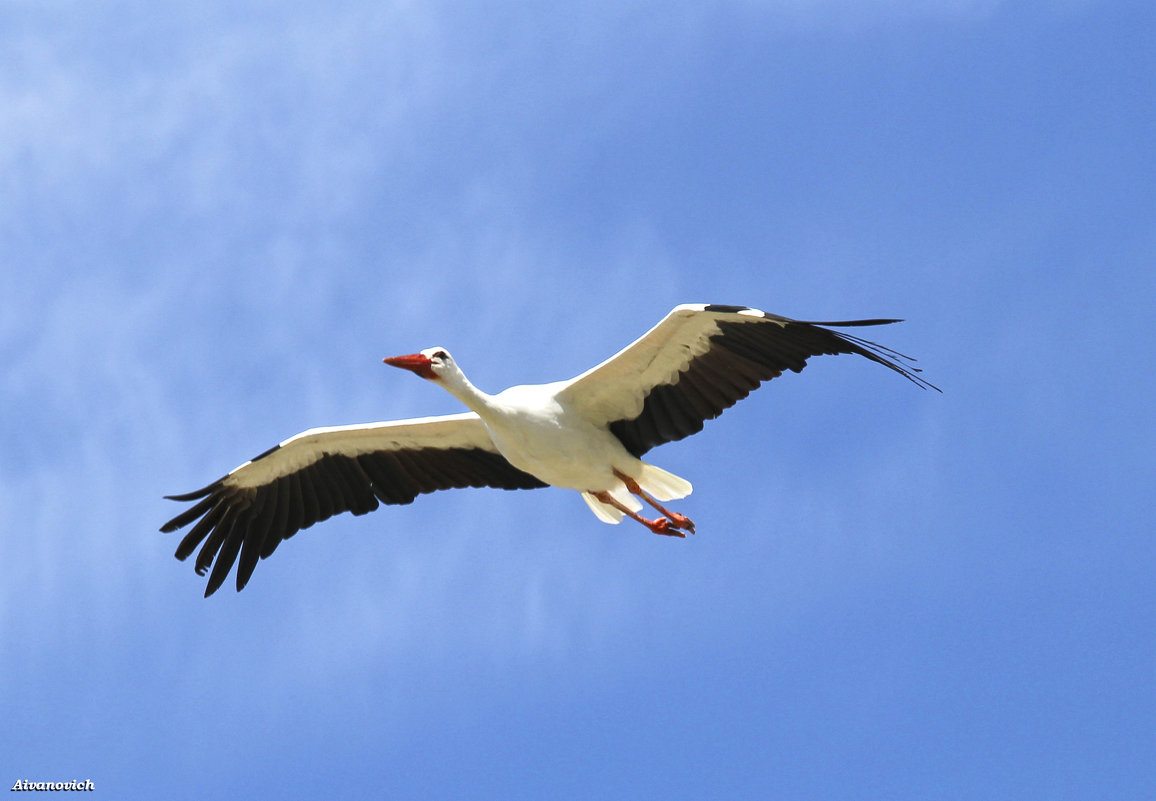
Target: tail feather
<point x="662" y="485"/>
<point x="603" y="511"/>
<point x="612" y="514"/>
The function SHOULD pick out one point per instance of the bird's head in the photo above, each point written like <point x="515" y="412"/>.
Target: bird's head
<point x="431" y="363"/>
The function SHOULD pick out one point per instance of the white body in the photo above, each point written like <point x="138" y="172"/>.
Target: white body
<point x="537" y="431"/>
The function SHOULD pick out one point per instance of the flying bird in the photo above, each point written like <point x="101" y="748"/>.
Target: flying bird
<point x="586" y="434"/>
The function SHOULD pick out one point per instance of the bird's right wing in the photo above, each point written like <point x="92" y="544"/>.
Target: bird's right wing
<point x="325" y="471"/>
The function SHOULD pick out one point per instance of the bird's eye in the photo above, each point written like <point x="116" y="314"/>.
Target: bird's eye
<point x="441" y="354"/>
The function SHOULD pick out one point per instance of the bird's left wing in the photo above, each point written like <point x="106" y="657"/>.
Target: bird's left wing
<point x="702" y="359"/>
<point x="324" y="471"/>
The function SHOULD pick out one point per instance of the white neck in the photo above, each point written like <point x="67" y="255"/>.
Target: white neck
<point x="454" y="381"/>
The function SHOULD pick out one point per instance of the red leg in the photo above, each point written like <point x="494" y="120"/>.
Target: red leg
<point x="659" y="526"/>
<point x="679" y="521"/>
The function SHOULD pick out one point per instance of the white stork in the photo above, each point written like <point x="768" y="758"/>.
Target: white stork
<point x="585" y="434"/>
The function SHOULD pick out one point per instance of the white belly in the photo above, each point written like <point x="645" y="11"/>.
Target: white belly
<point x="564" y="452"/>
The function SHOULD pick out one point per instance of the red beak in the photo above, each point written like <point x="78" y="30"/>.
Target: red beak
<point x="414" y="362"/>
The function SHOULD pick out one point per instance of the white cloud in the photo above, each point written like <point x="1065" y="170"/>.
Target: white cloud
<point x="181" y="202"/>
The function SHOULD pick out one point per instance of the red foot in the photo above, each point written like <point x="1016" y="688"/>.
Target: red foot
<point x="682" y="521"/>
<point x="662" y="526"/>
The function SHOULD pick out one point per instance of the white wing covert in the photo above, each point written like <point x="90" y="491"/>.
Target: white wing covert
<point x="325" y="471"/>
<point x="702" y="359"/>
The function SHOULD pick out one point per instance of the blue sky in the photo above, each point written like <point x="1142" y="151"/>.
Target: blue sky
<point x="216" y="220"/>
